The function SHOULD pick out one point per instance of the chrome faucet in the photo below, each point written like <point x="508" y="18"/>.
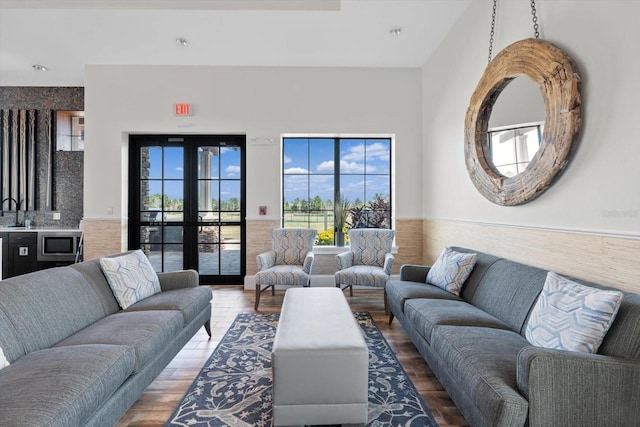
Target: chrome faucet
<point x="17" y="208"/>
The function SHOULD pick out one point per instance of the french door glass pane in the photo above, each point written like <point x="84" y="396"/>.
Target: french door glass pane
<point x="230" y="162"/>
<point x="208" y="259"/>
<point x="173" y="163"/>
<point x="151" y="162"/>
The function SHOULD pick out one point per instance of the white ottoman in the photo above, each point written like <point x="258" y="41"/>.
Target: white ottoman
<point x="320" y="361"/>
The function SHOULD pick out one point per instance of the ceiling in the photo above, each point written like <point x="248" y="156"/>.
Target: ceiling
<point x="65" y="35"/>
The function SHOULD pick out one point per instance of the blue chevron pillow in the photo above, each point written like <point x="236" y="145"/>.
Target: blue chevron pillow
<point x="131" y="277"/>
<point x="451" y="269"/>
<point x="571" y="316"/>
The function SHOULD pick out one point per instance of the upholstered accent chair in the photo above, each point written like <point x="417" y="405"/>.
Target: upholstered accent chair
<point x="368" y="261"/>
<point x="289" y="261"/>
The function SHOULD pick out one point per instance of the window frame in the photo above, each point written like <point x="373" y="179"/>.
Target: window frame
<point x="337" y="173"/>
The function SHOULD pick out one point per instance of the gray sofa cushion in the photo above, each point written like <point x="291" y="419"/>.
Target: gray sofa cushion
<point x="69" y="384"/>
<point x="623" y="338"/>
<point x="508" y="291"/>
<point x="425" y="314"/>
<point x="9" y="342"/>
<point x="399" y="291"/>
<point x="92" y="273"/>
<point x="147" y="332"/>
<point x="190" y="302"/>
<point x="483" y="361"/>
<point x="46" y="308"/>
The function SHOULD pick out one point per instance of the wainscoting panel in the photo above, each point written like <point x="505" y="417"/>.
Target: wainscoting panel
<point x="609" y="260"/>
<point x="258" y="241"/>
<point x="104" y="237"/>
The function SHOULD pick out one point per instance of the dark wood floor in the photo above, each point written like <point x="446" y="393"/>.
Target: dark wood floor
<point x="158" y="402"/>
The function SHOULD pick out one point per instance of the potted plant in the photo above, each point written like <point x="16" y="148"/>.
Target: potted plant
<point x="342" y="212"/>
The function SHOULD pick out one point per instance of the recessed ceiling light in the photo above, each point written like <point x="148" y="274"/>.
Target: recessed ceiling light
<point x="181" y="42"/>
<point x="39" y="67"/>
<point x="395" y="31"/>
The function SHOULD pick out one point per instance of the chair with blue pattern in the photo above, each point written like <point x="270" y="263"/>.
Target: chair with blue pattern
<point x="368" y="261"/>
<point x="289" y="261"/>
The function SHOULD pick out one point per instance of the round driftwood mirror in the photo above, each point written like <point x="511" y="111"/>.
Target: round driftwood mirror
<point x="556" y="75"/>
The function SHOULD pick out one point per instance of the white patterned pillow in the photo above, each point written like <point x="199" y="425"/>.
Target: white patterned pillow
<point x="571" y="316"/>
<point x="131" y="277"/>
<point x="3" y="360"/>
<point x="451" y="269"/>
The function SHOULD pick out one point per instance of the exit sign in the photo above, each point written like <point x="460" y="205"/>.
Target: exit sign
<point x="182" y="109"/>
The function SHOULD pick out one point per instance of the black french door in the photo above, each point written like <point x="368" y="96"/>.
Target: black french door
<point x="187" y="203"/>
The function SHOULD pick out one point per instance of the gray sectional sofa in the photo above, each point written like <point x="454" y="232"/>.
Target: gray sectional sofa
<point x="76" y="358"/>
<point x="475" y="344"/>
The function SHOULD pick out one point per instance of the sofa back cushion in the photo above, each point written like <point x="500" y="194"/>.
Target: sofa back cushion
<point x="503" y="288"/>
<point x="47" y="306"/>
<point x="9" y="342"/>
<point x="508" y="291"/>
<point x="92" y="273"/>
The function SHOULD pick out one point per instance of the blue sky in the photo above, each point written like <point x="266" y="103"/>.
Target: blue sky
<point x="309" y="168"/>
<point x="227" y="162"/>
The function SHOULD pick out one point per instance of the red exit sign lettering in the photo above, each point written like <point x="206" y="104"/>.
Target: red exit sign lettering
<point x="182" y="109"/>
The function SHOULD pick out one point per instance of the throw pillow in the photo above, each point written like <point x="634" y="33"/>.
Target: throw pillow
<point x="3" y="360"/>
<point x="131" y="277"/>
<point x="571" y="316"/>
<point x="451" y="269"/>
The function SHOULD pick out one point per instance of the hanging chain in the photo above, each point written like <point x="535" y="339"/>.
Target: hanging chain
<point x="535" y="19"/>
<point x="493" y="27"/>
<point x="536" y="27"/>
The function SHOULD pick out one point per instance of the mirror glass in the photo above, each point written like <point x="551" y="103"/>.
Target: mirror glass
<point x="515" y="127"/>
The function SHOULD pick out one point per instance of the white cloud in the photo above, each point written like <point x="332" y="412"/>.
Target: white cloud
<point x="326" y="166"/>
<point x="287" y="159"/>
<point x="351" y="167"/>
<point x="375" y="151"/>
<point x="296" y="170"/>
<point x="179" y="169"/>
<point x="232" y="170"/>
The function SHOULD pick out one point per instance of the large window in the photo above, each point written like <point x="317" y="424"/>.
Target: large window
<point x="333" y="184"/>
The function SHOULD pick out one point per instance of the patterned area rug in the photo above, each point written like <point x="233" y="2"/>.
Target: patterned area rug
<point x="234" y="387"/>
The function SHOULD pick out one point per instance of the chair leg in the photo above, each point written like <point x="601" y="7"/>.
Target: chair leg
<point x="350" y="290"/>
<point x="386" y="305"/>
<point x="390" y="317"/>
<point x="257" y="297"/>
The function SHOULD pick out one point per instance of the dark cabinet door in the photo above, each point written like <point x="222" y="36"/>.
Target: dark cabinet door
<point x="22" y="253"/>
<point x="5" y="254"/>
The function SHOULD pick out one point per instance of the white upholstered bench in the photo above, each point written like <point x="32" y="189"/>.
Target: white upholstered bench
<point x="320" y="361"/>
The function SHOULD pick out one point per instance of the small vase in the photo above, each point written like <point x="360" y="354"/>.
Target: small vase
<point x="339" y="235"/>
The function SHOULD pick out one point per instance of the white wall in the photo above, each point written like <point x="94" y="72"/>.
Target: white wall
<point x="258" y="102"/>
<point x="600" y="189"/>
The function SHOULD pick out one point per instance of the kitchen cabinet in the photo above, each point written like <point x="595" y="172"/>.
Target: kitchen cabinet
<point x="23" y="250"/>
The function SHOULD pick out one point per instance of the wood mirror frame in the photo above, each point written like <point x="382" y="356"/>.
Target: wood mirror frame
<point x="557" y="76"/>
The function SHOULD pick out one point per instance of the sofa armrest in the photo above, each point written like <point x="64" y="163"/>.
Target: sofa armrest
<point x="344" y="260"/>
<point x="572" y="388"/>
<point x="266" y="260"/>
<point x="414" y="273"/>
<point x="178" y="280"/>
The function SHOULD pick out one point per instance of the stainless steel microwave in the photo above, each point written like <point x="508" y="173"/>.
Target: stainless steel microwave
<point x="58" y="245"/>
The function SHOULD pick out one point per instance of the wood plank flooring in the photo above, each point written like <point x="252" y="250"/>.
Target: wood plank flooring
<point x="157" y="403"/>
